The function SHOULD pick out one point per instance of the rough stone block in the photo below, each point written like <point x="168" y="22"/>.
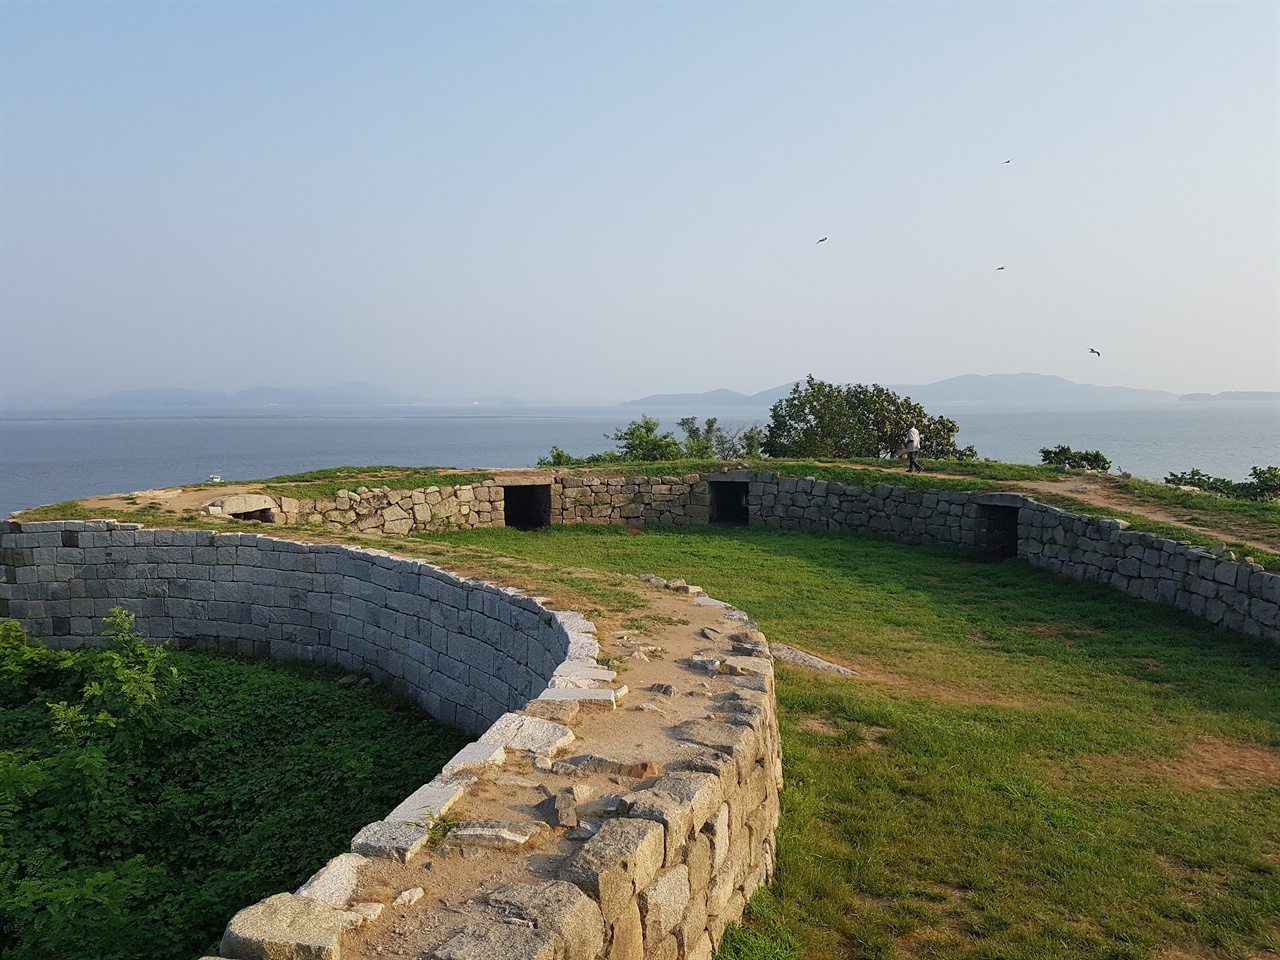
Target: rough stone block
<point x="488" y="941"/>
<point x="663" y="902"/>
<point x="717" y="831"/>
<point x="287" y="927"/>
<point x="675" y="816"/>
<point x="558" y="907"/>
<point x="621" y="859"/>
<point x="335" y="882"/>
<point x="392" y="840"/>
<point x="519" y="732"/>
<point x="473" y="757"/>
<point x="495" y="834"/>
<point x="702" y="792"/>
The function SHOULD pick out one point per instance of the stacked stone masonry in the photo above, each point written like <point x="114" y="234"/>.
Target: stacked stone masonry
<point x="677" y="855"/>
<point x="466" y="651"/>
<point x="1235" y="594"/>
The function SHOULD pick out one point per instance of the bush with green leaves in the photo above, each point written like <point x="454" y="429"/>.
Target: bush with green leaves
<point x="640" y="442"/>
<point x="827" y="420"/>
<point x="1262" y="486"/>
<point x="146" y="795"/>
<point x="711" y="441"/>
<point x="1064" y="456"/>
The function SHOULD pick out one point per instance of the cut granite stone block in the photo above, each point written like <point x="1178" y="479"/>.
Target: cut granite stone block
<point x="518" y="732"/>
<point x="474" y="756"/>
<point x="335" y="882"/>
<point x="559" y="907"/>
<point x="431" y="800"/>
<point x="497" y="834"/>
<point x="392" y="840"/>
<point x="584" y="670"/>
<point x="489" y="941"/>
<point x="586" y="699"/>
<point x="287" y="927"/>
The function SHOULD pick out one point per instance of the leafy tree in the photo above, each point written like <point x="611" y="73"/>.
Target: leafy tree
<point x="640" y="441"/>
<point x="700" y="442"/>
<point x="714" y="442"/>
<point x="819" y="419"/>
<point x="1064" y="456"/>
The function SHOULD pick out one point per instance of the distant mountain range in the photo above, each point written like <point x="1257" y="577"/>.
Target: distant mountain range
<point x="999" y="387"/>
<point x="1271" y="395"/>
<point x="1006" y="387"/>
<point x="179" y="398"/>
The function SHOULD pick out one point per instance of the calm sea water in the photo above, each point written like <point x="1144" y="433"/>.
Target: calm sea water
<point x="50" y="457"/>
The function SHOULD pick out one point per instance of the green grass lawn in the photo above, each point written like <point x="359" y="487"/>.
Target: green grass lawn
<point x="1029" y="767"/>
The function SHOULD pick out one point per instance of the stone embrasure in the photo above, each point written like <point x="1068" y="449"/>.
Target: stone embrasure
<point x="1236" y="595"/>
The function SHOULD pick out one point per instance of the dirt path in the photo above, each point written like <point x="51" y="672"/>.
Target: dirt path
<point x="1101" y="491"/>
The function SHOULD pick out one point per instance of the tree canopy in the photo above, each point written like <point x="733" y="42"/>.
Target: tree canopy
<point x="819" y="419"/>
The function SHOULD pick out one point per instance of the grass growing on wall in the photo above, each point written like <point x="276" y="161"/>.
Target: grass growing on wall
<point x="1028" y="767"/>
<point x="327" y="482"/>
<point x="1176" y="531"/>
<point x="142" y="840"/>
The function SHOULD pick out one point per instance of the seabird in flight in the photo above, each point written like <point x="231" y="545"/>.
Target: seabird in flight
<point x="999" y="268"/>
<point x="820" y="241"/>
<point x="1091" y="350"/>
<point x="1010" y="160"/>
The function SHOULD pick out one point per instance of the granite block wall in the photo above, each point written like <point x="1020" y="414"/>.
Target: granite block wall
<point x="664" y="875"/>
<point x="466" y="651"/>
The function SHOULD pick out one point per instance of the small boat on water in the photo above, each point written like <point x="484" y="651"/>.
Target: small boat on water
<point x="215" y="478"/>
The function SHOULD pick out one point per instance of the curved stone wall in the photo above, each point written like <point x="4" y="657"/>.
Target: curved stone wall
<point x="673" y="810"/>
<point x="466" y="651"/>
<point x="1237" y="594"/>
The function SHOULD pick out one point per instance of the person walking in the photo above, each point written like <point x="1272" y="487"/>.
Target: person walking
<point x="913" y="447"/>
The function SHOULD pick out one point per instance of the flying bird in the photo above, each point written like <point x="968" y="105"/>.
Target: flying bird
<point x="823" y="239"/>
<point x="1010" y="160"/>
<point x="999" y="268"/>
<point x="1091" y="350"/>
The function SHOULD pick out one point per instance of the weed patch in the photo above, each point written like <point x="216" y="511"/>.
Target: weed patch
<point x="167" y="790"/>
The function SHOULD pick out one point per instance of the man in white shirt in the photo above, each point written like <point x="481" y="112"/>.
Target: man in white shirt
<point x="913" y="447"/>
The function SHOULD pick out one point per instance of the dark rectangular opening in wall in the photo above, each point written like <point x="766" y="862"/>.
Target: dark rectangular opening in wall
<point x="729" y="502"/>
<point x="996" y="531"/>
<point x="527" y="507"/>
<point x="262" y="516"/>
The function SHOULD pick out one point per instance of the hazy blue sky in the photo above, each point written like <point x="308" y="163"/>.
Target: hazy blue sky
<point x="600" y="201"/>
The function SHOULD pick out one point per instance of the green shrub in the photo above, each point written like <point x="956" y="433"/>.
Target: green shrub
<point x="1064" y="456"/>
<point x="1262" y="486"/>
<point x="146" y="795"/>
<point x="640" y="442"/>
